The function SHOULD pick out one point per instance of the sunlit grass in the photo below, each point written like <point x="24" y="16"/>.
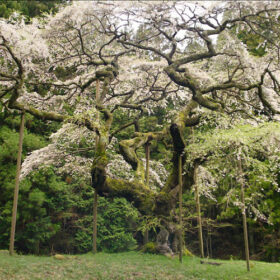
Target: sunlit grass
<point x="130" y="265"/>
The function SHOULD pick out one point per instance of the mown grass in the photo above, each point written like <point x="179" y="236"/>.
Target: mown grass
<point x="130" y="265"/>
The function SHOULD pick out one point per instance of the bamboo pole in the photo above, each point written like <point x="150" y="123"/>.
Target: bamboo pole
<point x="147" y="178"/>
<point x="95" y="198"/>
<point x="16" y="190"/>
<point x="244" y="218"/>
<point x="200" y="234"/>
<point x="180" y="208"/>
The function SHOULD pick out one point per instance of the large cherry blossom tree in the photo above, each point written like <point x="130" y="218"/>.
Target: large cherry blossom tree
<point x="94" y="59"/>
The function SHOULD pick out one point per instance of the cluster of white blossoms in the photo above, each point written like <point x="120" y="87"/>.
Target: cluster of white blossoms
<point x="71" y="135"/>
<point x="158" y="174"/>
<point x="64" y="163"/>
<point x="147" y="83"/>
<point x="45" y="156"/>
<point x="26" y="39"/>
<point x="206" y="183"/>
<point x="55" y="103"/>
<point x="62" y="153"/>
<point x="118" y="168"/>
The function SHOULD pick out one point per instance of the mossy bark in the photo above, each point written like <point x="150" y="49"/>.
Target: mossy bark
<point x="128" y="149"/>
<point x="167" y="198"/>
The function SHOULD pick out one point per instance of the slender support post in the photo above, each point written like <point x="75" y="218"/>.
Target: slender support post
<point x="147" y="177"/>
<point x="180" y="208"/>
<point x="97" y="92"/>
<point x="200" y="235"/>
<point x="95" y="198"/>
<point x="245" y="230"/>
<point x="15" y="203"/>
<point x="95" y="201"/>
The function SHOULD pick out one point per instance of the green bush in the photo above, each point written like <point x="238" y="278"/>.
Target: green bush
<point x="149" y="247"/>
<point x="54" y="215"/>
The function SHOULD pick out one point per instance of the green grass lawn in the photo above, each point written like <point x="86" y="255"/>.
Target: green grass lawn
<point x="130" y="265"/>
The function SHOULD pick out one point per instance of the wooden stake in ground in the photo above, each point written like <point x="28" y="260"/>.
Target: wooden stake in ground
<point x="200" y="235"/>
<point x="147" y="174"/>
<point x="180" y="208"/>
<point x="245" y="231"/>
<point x="147" y="177"/>
<point x="14" y="213"/>
<point x="95" y="198"/>
<point x="95" y="201"/>
<point x="197" y="200"/>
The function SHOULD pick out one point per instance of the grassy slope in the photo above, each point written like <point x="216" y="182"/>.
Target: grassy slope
<point x="130" y="265"/>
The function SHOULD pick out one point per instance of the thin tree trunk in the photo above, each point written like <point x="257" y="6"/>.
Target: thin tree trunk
<point x="14" y="213"/>
<point x="245" y="231"/>
<point x="95" y="199"/>
<point x="200" y="234"/>
<point x="180" y="209"/>
<point x="147" y="177"/>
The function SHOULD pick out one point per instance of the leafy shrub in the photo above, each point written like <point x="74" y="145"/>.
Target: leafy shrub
<point x="149" y="247"/>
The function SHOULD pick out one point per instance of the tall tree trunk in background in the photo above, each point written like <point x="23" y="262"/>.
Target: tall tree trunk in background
<point x="245" y="231"/>
<point x="147" y="177"/>
<point x="95" y="199"/>
<point x="199" y="224"/>
<point x="14" y="213"/>
<point x="180" y="208"/>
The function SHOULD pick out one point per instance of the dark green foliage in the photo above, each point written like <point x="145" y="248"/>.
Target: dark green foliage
<point x="8" y="154"/>
<point x="27" y="8"/>
<point x="255" y="44"/>
<point x="117" y="221"/>
<point x="56" y="216"/>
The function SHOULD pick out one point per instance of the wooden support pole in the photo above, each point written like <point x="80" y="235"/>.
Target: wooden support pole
<point x="97" y="92"/>
<point x="147" y="178"/>
<point x="199" y="223"/>
<point x="180" y="208"/>
<point x="95" y="201"/>
<point x="16" y="191"/>
<point x="245" y="230"/>
<point x="95" y="198"/>
<point x="147" y="151"/>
